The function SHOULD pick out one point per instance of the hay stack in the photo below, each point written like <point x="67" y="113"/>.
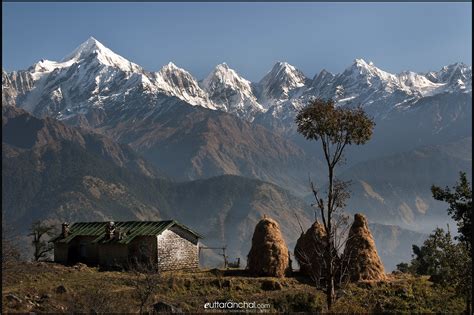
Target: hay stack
<point x="361" y="254"/>
<point x="269" y="253"/>
<point x="309" y="250"/>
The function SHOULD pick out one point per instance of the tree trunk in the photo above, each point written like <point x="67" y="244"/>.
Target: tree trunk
<point x="330" y="286"/>
<point x="330" y="293"/>
<point x="468" y="305"/>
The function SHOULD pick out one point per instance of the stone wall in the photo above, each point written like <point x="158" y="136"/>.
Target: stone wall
<point x="176" y="252"/>
<point x="144" y="249"/>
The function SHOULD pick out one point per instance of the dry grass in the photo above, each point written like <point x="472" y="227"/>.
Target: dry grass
<point x="89" y="290"/>
<point x="269" y="253"/>
<point x="361" y="254"/>
<point x="309" y="250"/>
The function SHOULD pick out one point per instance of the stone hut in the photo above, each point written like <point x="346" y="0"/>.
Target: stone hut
<point x="167" y="244"/>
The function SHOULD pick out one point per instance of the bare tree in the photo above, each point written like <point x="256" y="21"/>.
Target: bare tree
<point x="336" y="128"/>
<point x="38" y="231"/>
<point x="145" y="276"/>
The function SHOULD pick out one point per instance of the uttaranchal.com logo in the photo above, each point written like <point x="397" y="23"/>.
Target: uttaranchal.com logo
<point x="236" y="305"/>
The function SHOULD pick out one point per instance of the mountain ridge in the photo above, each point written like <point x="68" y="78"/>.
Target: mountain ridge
<point x="283" y="86"/>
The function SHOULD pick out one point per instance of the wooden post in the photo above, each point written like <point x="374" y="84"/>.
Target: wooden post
<point x="225" y="257"/>
<point x="223" y="249"/>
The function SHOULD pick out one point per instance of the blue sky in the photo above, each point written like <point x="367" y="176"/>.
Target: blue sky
<point x="250" y="37"/>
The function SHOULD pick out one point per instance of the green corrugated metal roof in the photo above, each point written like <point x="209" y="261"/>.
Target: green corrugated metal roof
<point x="130" y="230"/>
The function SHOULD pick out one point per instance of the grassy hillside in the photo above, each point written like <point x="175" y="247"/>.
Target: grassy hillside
<point x="35" y="288"/>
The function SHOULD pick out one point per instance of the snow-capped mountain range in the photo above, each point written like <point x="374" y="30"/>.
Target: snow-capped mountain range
<point x="94" y="77"/>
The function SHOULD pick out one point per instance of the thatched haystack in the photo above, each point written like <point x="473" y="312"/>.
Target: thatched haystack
<point x="361" y="254"/>
<point x="309" y="250"/>
<point x="269" y="253"/>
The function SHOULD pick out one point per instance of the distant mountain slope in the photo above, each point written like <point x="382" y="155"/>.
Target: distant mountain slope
<point x="394" y="244"/>
<point x="227" y="208"/>
<point x="22" y="131"/>
<point x="219" y="208"/>
<point x="396" y="189"/>
<point x="55" y="172"/>
<point x="193" y="143"/>
<point x="52" y="172"/>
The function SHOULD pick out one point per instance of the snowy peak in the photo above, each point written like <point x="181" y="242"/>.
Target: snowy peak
<point x="227" y="89"/>
<point x="362" y="70"/>
<point x="223" y="66"/>
<point x="365" y="82"/>
<point x="170" y="67"/>
<point x="180" y="83"/>
<point x="412" y="79"/>
<point x="284" y="69"/>
<point x="457" y="76"/>
<point x="171" y="73"/>
<point x="93" y="49"/>
<point x="361" y="63"/>
<point x="322" y="78"/>
<point x="91" y="76"/>
<point x="276" y="85"/>
<point x="223" y="75"/>
<point x="324" y="73"/>
<point x="322" y="83"/>
<point x="88" y="47"/>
